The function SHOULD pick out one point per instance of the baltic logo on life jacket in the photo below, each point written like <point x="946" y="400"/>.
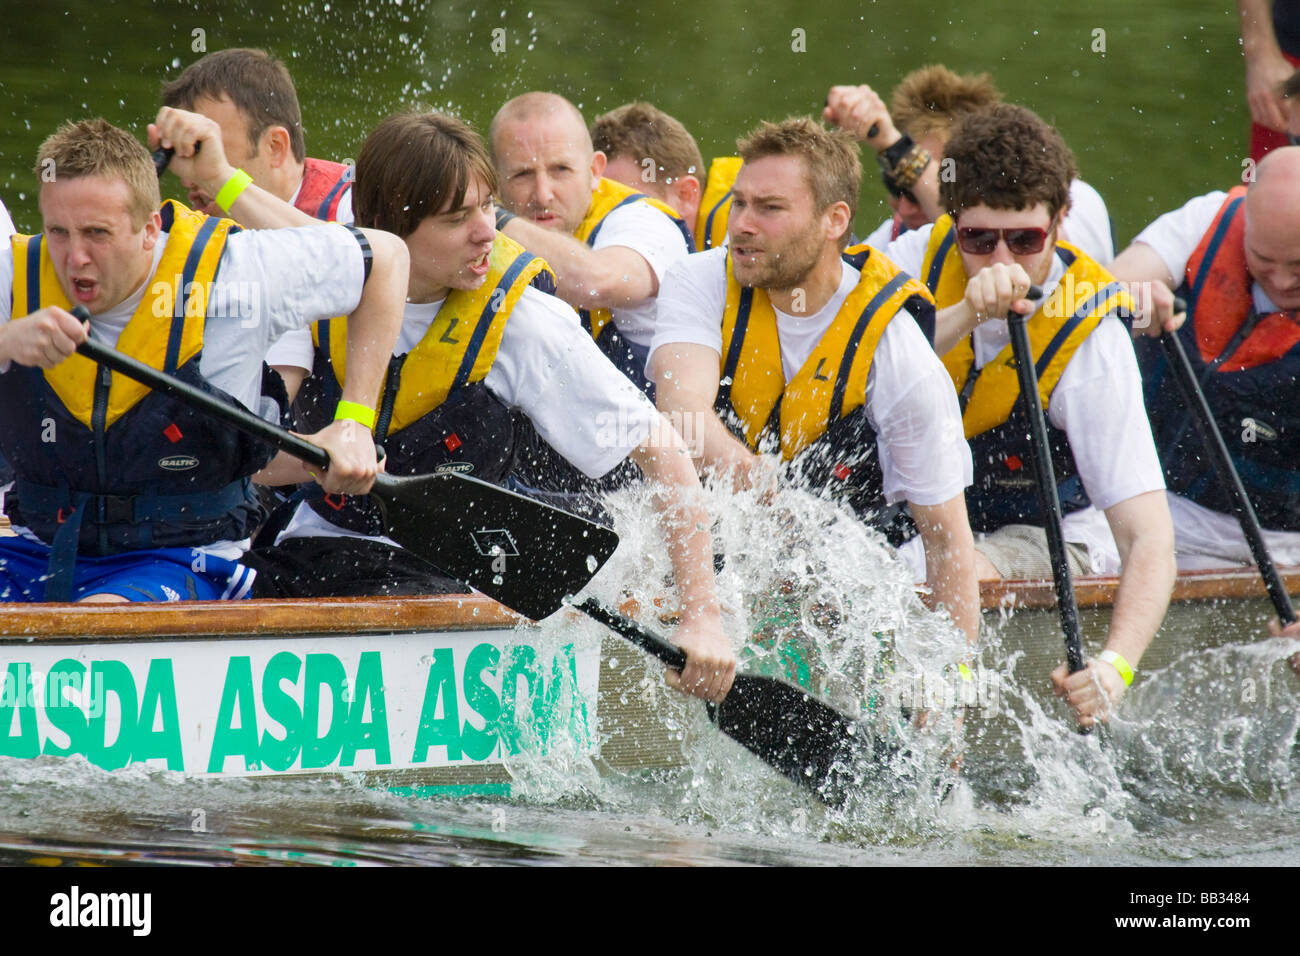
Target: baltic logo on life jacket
<point x="1252" y="429"/>
<point x="178" y="463"/>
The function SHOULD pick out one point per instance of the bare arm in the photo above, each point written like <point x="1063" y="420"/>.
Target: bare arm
<point x="950" y="562"/>
<point x="1266" y="67"/>
<point x="1144" y="535"/>
<point x="710" y="661"/>
<point x="208" y="167"/>
<point x="1151" y="286"/>
<point x="859" y="109"/>
<point x="686" y="386"/>
<point x="372" y="333"/>
<point x="611" y="278"/>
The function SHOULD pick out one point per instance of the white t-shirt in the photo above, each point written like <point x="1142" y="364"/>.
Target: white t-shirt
<point x="1175" y="236"/>
<point x="642" y="228"/>
<point x="1087" y="225"/>
<point x="910" y="400"/>
<point x="6" y="224"/>
<point x="549" y="368"/>
<point x="1097" y="401"/>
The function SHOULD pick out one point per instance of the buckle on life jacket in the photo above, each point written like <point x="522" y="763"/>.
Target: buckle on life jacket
<point x="336" y="501"/>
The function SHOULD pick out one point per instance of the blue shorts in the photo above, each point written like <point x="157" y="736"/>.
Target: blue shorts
<point x="163" y="574"/>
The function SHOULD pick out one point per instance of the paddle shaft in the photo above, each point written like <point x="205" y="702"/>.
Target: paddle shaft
<point x="1176" y="355"/>
<point x="799" y="736"/>
<point x="643" y="638"/>
<point x="1047" y="493"/>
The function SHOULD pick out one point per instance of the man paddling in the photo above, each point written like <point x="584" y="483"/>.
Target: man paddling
<point x="1005" y="202"/>
<point x="123" y="493"/>
<point x="251" y="96"/>
<point x="1235" y="258"/>
<point x="608" y="244"/>
<point x="481" y="347"/>
<point x="787" y="341"/>
<point x="651" y="151"/>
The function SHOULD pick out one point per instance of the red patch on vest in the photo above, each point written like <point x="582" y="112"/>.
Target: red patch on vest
<point x="1014" y="463"/>
<point x="842" y="471"/>
<point x="452" y="442"/>
<point x="173" y="433"/>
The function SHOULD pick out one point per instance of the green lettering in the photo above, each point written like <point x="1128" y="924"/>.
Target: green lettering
<point x="374" y="735"/>
<point x="111" y="677"/>
<point x="483" y="700"/>
<point x="67" y="674"/>
<point x="323" y="671"/>
<point x="279" y="753"/>
<point x="563" y="690"/>
<point x="228" y="741"/>
<point x="437" y="731"/>
<point x="16" y="697"/>
<point x="159" y="705"/>
<point x="514" y="726"/>
<point x="518" y="730"/>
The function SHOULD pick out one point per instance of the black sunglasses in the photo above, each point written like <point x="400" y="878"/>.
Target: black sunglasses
<point x="897" y="192"/>
<point x="981" y="242"/>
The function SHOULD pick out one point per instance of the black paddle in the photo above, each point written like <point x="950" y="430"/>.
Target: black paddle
<point x="807" y="741"/>
<point x="1176" y="355"/>
<point x="1047" y="494"/>
<point x="524" y="553"/>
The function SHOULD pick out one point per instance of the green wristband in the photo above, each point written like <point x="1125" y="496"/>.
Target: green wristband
<point x="1117" y="661"/>
<point x="356" y="412"/>
<point x="233" y="189"/>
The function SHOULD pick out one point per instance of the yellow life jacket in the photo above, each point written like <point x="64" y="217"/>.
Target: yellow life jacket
<point x="1086" y="294"/>
<point x="833" y="381"/>
<point x="195" y="243"/>
<point x="715" y="203"/>
<point x="608" y="196"/>
<point x="461" y="343"/>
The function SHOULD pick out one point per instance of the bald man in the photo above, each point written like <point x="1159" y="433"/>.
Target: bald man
<point x="1235" y="258"/>
<point x="608" y="244"/>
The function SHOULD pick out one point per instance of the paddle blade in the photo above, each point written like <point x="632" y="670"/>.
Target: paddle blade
<point x="804" y="739"/>
<point x="523" y="553"/>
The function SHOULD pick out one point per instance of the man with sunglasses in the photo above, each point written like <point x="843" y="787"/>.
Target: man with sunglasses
<point x="791" y="341"/>
<point x="909" y="139"/>
<point x="999" y="236"/>
<point x="1235" y="258"/>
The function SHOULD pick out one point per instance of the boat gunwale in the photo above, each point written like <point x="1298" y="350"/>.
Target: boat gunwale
<point x="1238" y="584"/>
<point x="271" y="617"/>
<point x="299" y="617"/>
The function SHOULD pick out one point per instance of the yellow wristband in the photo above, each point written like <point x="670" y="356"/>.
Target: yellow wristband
<point x="353" y="411"/>
<point x="1117" y="661"/>
<point x="233" y="189"/>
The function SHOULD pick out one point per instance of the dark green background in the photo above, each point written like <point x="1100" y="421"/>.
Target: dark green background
<point x="1157" y="118"/>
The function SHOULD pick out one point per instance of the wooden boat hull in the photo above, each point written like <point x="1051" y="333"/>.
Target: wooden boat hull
<point x="446" y="695"/>
<point x="424" y="695"/>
